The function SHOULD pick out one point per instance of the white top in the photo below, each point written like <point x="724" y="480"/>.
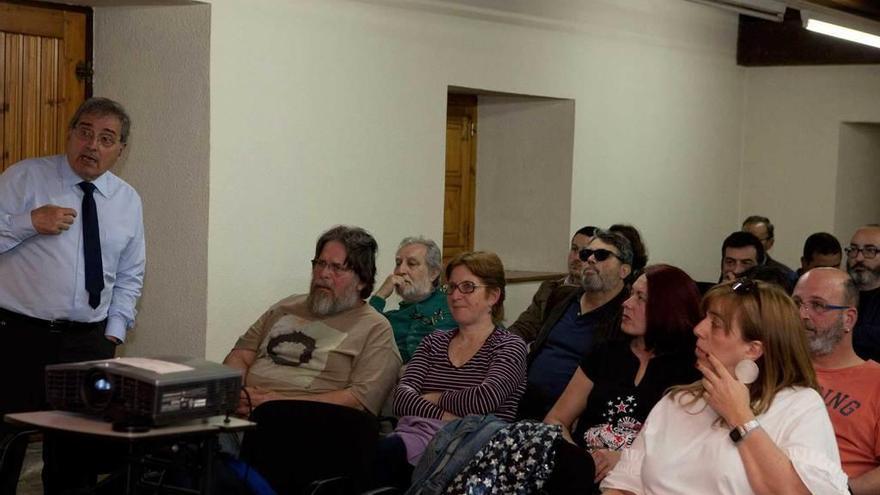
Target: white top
<point x="679" y="450"/>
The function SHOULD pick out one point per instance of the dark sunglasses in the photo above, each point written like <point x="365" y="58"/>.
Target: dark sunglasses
<point x="744" y="286"/>
<point x="599" y="254"/>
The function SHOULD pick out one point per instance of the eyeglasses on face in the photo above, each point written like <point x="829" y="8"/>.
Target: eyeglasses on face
<point x="869" y="252"/>
<point x="84" y="133"/>
<point x="817" y="307"/>
<point x="466" y="287"/>
<point x="599" y="254"/>
<point x="336" y="268"/>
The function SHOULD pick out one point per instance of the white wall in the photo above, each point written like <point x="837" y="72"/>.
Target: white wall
<point x="328" y="112"/>
<point x="155" y="61"/>
<point x="792" y="144"/>
<point x="333" y="112"/>
<point x="523" y="200"/>
<point x="858" y="178"/>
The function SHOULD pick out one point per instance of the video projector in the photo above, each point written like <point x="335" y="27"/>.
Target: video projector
<point x="142" y="391"/>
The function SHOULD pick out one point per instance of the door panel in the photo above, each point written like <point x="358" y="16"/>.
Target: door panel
<point x="458" y="206"/>
<point x="40" y="49"/>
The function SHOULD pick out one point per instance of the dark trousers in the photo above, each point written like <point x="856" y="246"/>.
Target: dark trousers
<point x="390" y="466"/>
<point x="573" y="471"/>
<point x="29" y="345"/>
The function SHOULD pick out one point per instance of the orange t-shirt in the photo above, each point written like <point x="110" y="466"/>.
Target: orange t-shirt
<point x="852" y="397"/>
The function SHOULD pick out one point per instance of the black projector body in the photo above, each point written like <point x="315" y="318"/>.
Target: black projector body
<point x="144" y="391"/>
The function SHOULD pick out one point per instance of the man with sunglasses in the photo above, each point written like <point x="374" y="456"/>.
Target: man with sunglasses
<point x="863" y="265"/>
<point x="552" y="291"/>
<point x="587" y="316"/>
<point x="827" y="300"/>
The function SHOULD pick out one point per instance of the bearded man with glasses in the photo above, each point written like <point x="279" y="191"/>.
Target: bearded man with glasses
<point x="327" y="345"/>
<point x="587" y="316"/>
<point x="827" y="300"/>
<point x="863" y="266"/>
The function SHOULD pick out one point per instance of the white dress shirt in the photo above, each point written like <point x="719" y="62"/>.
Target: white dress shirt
<point x="43" y="275"/>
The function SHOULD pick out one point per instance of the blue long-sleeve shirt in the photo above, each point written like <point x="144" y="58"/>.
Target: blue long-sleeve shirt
<point x="43" y="275"/>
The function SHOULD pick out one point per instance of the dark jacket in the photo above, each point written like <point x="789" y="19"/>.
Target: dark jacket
<point x="608" y="329"/>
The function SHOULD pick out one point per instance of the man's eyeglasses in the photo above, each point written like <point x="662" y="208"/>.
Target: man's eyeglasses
<point x="88" y="134"/>
<point x="869" y="252"/>
<point x="816" y="307"/>
<point x="336" y="268"/>
<point x="599" y="254"/>
<point x="466" y="287"/>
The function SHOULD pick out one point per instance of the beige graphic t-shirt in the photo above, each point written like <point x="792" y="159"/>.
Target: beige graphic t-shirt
<point x="300" y="354"/>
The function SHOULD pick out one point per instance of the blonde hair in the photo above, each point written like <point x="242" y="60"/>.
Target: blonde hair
<point x="764" y="313"/>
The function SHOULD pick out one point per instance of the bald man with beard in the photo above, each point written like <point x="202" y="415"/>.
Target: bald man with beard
<point x="827" y="299"/>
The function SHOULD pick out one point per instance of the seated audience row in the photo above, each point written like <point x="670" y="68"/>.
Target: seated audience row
<point x="579" y="330"/>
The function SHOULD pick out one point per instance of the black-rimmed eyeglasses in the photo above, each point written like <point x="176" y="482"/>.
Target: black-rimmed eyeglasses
<point x="466" y="287"/>
<point x="869" y="252"/>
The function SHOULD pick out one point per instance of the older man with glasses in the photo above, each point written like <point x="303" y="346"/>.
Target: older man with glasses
<point x="586" y="317"/>
<point x="71" y="260"/>
<point x="863" y="265"/>
<point x="327" y="345"/>
<point x="827" y="299"/>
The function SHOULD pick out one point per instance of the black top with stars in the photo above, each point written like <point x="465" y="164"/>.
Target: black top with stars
<point x="616" y="407"/>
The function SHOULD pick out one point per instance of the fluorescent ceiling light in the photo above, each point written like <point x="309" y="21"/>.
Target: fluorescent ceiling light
<point x="771" y="10"/>
<point x="846" y="33"/>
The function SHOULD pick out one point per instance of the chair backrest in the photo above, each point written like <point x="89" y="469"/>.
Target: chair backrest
<point x="297" y="442"/>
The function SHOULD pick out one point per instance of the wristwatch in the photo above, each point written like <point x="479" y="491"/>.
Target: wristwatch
<point x="740" y="432"/>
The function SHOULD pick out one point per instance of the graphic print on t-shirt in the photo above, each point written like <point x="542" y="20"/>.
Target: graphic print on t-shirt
<point x="620" y="427"/>
<point x="302" y="344"/>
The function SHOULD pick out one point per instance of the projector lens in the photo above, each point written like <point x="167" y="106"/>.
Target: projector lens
<point x="97" y="390"/>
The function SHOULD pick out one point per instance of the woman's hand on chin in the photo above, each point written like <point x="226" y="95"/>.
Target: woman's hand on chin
<point x="724" y="393"/>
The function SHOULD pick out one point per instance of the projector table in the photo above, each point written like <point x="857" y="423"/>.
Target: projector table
<point x="202" y="433"/>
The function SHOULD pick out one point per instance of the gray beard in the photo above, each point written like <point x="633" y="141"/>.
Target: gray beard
<point x="592" y="283"/>
<point x="865" y="279"/>
<point x="415" y="292"/>
<point x="822" y="344"/>
<point x="325" y="304"/>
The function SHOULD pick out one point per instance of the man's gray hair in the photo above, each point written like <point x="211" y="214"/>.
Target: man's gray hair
<point x="104" y="106"/>
<point x="433" y="255"/>
<point x="618" y="241"/>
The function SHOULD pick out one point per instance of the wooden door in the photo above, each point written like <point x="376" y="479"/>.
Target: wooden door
<point x="460" y="188"/>
<point x="40" y="49"/>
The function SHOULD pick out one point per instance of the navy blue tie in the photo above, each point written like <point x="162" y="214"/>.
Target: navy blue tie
<point x="92" y="245"/>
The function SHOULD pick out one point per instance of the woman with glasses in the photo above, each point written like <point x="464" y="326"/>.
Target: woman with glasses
<point x="753" y="424"/>
<point x="615" y="386"/>
<point x="477" y="368"/>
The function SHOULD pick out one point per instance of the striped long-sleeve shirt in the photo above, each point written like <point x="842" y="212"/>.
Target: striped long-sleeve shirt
<point x="490" y="382"/>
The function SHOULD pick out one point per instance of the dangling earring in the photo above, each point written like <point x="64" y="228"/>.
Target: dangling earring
<point x="746" y="371"/>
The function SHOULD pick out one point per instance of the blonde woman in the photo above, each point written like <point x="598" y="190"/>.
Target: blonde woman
<point x="753" y="424"/>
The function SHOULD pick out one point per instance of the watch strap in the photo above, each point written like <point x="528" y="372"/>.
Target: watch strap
<point x="740" y="432"/>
